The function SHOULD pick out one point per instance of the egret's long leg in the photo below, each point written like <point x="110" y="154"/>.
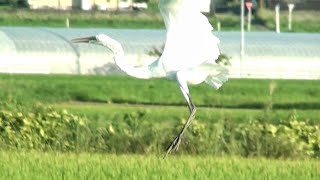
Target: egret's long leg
<point x="174" y="146"/>
<point x="193" y="110"/>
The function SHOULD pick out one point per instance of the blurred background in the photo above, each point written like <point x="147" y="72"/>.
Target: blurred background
<point x="57" y="97"/>
<point x="40" y="31"/>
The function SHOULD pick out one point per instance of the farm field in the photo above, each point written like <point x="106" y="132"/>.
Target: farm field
<point x="236" y="93"/>
<point x="157" y="113"/>
<point x="52" y="165"/>
<point x="109" y="97"/>
<point x="116" y="127"/>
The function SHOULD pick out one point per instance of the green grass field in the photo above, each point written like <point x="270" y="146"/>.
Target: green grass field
<point x="38" y="165"/>
<point x="102" y="112"/>
<point x="236" y="93"/>
<point x="109" y="97"/>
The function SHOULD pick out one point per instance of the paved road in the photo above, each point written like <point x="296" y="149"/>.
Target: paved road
<point x="48" y="50"/>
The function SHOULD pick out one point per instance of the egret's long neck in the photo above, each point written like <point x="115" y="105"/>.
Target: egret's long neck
<point x="120" y="60"/>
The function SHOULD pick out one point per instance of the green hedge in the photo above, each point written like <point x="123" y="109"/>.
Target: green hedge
<point x="42" y="128"/>
<point x="46" y="129"/>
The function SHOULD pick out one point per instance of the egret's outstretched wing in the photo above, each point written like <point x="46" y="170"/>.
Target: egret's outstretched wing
<point x="190" y="41"/>
<point x="183" y="14"/>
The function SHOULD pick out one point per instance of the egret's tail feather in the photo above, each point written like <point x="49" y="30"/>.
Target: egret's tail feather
<point x="218" y="76"/>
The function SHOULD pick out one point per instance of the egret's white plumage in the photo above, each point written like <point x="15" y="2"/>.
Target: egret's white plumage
<point x="189" y="54"/>
<point x="190" y="41"/>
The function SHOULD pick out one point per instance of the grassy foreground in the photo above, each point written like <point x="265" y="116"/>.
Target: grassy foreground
<point x="38" y="165"/>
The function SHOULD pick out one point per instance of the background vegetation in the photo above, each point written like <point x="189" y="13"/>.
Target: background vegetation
<point x="90" y="115"/>
<point x="237" y="93"/>
<point x="263" y="19"/>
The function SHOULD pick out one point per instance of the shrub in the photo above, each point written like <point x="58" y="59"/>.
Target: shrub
<point x="285" y="140"/>
<point x="43" y="128"/>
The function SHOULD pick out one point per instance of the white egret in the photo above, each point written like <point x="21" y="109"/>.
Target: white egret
<point x="188" y="57"/>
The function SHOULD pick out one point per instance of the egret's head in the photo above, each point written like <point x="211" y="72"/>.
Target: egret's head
<point x="91" y="39"/>
<point x="98" y="39"/>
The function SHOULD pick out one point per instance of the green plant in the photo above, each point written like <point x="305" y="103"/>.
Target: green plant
<point x="41" y="128"/>
<point x="283" y="140"/>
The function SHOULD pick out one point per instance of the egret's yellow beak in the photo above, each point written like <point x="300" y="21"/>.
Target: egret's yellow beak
<point x="84" y="39"/>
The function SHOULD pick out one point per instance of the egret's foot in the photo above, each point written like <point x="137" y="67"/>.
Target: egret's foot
<point x="174" y="146"/>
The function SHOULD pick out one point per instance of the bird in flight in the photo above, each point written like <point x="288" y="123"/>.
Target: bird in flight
<point x="188" y="57"/>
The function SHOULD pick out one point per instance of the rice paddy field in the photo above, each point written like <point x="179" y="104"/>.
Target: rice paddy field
<point x="158" y="105"/>
<point x="33" y="165"/>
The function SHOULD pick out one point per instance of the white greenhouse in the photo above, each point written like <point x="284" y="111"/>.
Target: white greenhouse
<point x="49" y="51"/>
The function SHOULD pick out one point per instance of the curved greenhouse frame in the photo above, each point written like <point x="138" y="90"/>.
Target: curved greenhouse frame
<point x="49" y="50"/>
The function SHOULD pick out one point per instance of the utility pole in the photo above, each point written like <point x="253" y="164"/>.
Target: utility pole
<point x="290" y="7"/>
<point x="249" y="7"/>
<point x="242" y="36"/>
<point x="261" y="4"/>
<point x="118" y="2"/>
<point x="277" y="18"/>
